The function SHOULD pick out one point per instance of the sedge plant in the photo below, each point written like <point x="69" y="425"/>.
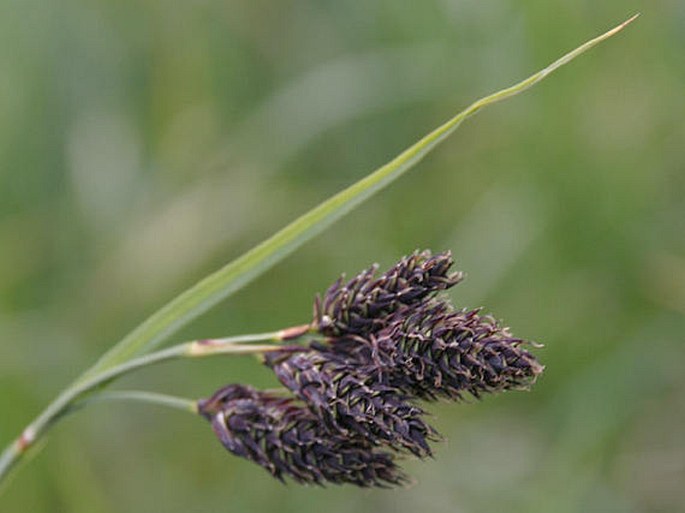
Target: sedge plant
<point x="356" y="376"/>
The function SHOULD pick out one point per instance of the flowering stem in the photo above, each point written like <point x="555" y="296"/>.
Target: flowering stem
<point x="171" y="401"/>
<point x="238" y="345"/>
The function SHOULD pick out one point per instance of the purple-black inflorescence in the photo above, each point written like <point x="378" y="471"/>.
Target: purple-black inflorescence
<point x="288" y="440"/>
<point x="347" y="402"/>
<point x="361" y="305"/>
<point x="384" y="343"/>
<point x="435" y="351"/>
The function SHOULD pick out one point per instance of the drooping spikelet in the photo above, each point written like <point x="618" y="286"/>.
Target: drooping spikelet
<point x="349" y="403"/>
<point x="288" y="440"/>
<point x="361" y="305"/>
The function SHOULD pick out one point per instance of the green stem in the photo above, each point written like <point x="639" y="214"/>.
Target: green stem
<point x="197" y="349"/>
<point x="10" y="456"/>
<point x="171" y="401"/>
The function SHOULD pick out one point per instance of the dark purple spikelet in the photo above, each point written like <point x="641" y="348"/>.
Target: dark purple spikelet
<point x="288" y="440"/>
<point x="361" y="305"/>
<point x="349" y="403"/>
<point x="387" y="342"/>
<point x="434" y="351"/>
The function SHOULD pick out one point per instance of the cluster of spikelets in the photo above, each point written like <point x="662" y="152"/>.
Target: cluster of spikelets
<point x="383" y="343"/>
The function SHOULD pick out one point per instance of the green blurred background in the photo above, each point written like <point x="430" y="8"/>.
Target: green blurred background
<point x="145" y="143"/>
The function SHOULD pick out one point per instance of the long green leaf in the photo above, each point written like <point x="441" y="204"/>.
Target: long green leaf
<point x="224" y="282"/>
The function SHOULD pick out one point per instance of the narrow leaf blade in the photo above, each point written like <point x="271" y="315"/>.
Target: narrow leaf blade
<point x="227" y="280"/>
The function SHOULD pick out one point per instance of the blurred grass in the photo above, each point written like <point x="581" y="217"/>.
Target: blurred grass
<point x="133" y="164"/>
